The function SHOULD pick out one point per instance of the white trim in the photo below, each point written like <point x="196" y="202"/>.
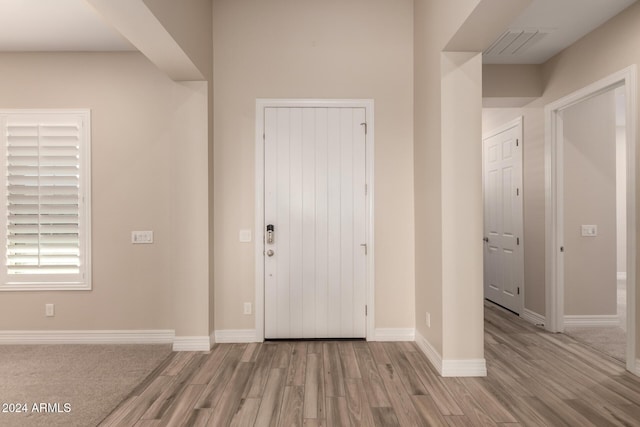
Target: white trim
<point x="395" y="334"/>
<point x="519" y="228"/>
<point x="432" y="354"/>
<point x="261" y="104"/>
<point x="236" y="335"/>
<point x="532" y="317"/>
<point x="464" y="368"/>
<point x="622" y="276"/>
<point x="88" y="337"/>
<point x="553" y="199"/>
<point x="450" y="367"/>
<point x="195" y="343"/>
<point x="591" y="320"/>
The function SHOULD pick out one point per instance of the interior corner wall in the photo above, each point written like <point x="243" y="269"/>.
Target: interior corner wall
<point x="360" y="49"/>
<point x="190" y="23"/>
<point x="149" y="172"/>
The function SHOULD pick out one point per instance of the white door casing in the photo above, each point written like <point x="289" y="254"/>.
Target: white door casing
<point x="554" y="184"/>
<point x="314" y="280"/>
<point x="503" y="217"/>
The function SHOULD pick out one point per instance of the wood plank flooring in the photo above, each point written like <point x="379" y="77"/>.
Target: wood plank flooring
<point x="534" y="379"/>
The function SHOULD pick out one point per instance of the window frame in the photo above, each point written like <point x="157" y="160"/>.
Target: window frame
<point x="51" y="282"/>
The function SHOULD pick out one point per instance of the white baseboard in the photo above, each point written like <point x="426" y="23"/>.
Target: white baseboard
<point x="249" y="335"/>
<point x="432" y="354"/>
<point x="592" y="320"/>
<point x="235" y="335"/>
<point x="532" y="317"/>
<point x="464" y="368"/>
<point x="195" y="343"/>
<point x="450" y="367"/>
<point x="88" y="337"/>
<point x="394" y="334"/>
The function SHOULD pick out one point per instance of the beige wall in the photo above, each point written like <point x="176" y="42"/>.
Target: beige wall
<point x="149" y="172"/>
<point x="189" y="23"/>
<point x="310" y="49"/>
<point x="462" y="226"/>
<point x="511" y="80"/>
<point x="589" y="157"/>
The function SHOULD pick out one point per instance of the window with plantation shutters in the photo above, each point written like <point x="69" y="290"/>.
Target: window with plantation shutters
<point x="46" y="200"/>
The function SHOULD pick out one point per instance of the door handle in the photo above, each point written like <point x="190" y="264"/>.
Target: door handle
<point x="486" y="239"/>
<point x="270" y="231"/>
<point x="270" y="252"/>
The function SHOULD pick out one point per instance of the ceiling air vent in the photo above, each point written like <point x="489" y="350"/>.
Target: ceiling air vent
<point x="515" y="41"/>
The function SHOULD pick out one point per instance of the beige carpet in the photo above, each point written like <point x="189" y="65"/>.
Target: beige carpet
<point x="90" y="379"/>
<point x="608" y="340"/>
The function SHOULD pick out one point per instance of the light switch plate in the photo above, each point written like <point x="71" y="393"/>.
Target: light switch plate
<point x="138" y="237"/>
<point x="245" y="236"/>
<point x="589" y="230"/>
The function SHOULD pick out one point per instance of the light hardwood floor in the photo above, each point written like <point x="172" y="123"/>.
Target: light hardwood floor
<point x="534" y="379"/>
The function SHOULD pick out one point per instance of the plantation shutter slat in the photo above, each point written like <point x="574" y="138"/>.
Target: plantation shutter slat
<point x="43" y="196"/>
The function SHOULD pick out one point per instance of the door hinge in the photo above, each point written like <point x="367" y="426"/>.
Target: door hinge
<point x="366" y="189"/>
<point x="365" y="247"/>
<point x="561" y="248"/>
<point x="264" y="137"/>
<point x="518" y="290"/>
<point x="518" y="241"/>
<point x="517" y="191"/>
<point x="365" y="310"/>
<point x="517" y="142"/>
<point x="365" y="128"/>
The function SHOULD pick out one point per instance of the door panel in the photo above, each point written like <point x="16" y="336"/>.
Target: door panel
<point x="315" y="198"/>
<point x="503" y="260"/>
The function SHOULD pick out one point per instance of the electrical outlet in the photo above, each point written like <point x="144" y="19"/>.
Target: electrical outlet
<point x="428" y="319"/>
<point x="49" y="310"/>
<point x="247" y="308"/>
<point x="138" y="237"/>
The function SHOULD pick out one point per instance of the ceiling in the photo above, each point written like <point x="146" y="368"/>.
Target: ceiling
<point x="548" y="26"/>
<point x="55" y="25"/>
<point x="542" y="30"/>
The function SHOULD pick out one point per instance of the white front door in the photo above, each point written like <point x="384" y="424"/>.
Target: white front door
<point x="314" y="205"/>
<point x="503" y="247"/>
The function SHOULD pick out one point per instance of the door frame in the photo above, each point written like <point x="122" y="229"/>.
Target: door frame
<point x="261" y="104"/>
<point x="518" y="121"/>
<point x="554" y="170"/>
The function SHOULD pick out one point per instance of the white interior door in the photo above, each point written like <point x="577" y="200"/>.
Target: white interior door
<point x="315" y="266"/>
<point x="503" y="247"/>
